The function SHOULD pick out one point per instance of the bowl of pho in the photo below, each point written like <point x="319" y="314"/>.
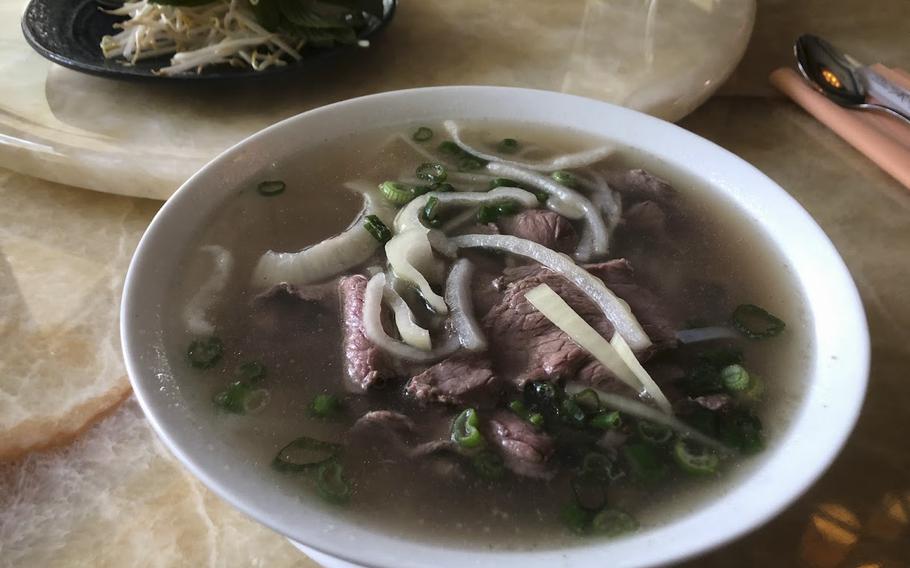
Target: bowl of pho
<point x="461" y="326"/>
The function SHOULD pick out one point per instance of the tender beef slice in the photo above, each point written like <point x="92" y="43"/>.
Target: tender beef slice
<point x="365" y="364"/>
<point x="525" y="345"/>
<point x="640" y="185"/>
<point x="655" y="316"/>
<point x="715" y="401"/>
<point x="394" y="436"/>
<point x="462" y="379"/>
<point x="645" y="217"/>
<point x="544" y="227"/>
<point x="524" y="450"/>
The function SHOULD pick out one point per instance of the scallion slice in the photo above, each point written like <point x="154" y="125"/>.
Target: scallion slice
<point x="613" y="522"/>
<point x="735" y="378"/>
<point x="205" y="353"/>
<point x="565" y="178"/>
<point x="508" y="146"/>
<point x="488" y="465"/>
<point x="587" y="400"/>
<point x="575" y="518"/>
<point x="325" y="406"/>
<point x="434" y="173"/>
<point x="644" y="462"/>
<point x="466" y="430"/>
<point x="422" y="134"/>
<point x="756" y="323"/>
<point x="377" y="228"/>
<point x="397" y="192"/>
<point x="304" y="453"/>
<point x="251" y="372"/>
<point x="240" y="397"/>
<point x="653" y="433"/>
<point x="271" y="188"/>
<point x="606" y="420"/>
<point x="331" y="483"/>
<point x="430" y="211"/>
<point x="694" y="458"/>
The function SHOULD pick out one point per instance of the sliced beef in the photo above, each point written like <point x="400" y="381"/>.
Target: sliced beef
<point x="542" y="226"/>
<point x="524" y="450"/>
<point x="640" y="185"/>
<point x="393" y="431"/>
<point x="365" y="364"/>
<point x="463" y="379"/>
<point x="715" y="401"/>
<point x="525" y="345"/>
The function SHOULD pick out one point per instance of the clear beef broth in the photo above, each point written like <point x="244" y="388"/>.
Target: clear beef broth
<point x="715" y="261"/>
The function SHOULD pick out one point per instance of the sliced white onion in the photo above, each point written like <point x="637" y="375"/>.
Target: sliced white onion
<point x="411" y="257"/>
<point x="372" y="328"/>
<point x="567" y="202"/>
<point x="332" y="256"/>
<point x="613" y="307"/>
<point x="458" y="296"/>
<point x="616" y="360"/>
<point x="410" y="332"/>
<point x="194" y="314"/>
<point x="564" y="162"/>
<point x="697" y="335"/>
<point x="643" y="411"/>
<point x="409" y="217"/>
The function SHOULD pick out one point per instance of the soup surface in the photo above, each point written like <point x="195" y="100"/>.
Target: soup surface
<point x="526" y="477"/>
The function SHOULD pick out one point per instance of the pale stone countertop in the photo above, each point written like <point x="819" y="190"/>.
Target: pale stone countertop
<point x="61" y="508"/>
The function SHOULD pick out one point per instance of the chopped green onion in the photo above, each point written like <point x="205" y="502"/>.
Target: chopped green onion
<point x="466" y="161"/>
<point x="756" y="323"/>
<point x="644" y="462"/>
<point x="654" y="433"/>
<point x="575" y="518"/>
<point x="325" y="406"/>
<point x="490" y="212"/>
<point x="572" y="413"/>
<point x="377" y="228"/>
<point x="488" y="465"/>
<point x="331" y="483"/>
<point x="543" y="397"/>
<point x="430" y="209"/>
<point x="613" y="522"/>
<point x="521" y="410"/>
<point x="304" y="453"/>
<point x="742" y="430"/>
<point x="435" y="173"/>
<point x="205" y="353"/>
<point x="240" y="398"/>
<point x="606" y="420"/>
<point x="541" y="195"/>
<point x="466" y="430"/>
<point x="422" y="134"/>
<point x="564" y="178"/>
<point x="397" y="193"/>
<point x="589" y="492"/>
<point x="536" y="419"/>
<point x="735" y="378"/>
<point x="271" y="188"/>
<point x="587" y="400"/>
<point x="251" y="372"/>
<point x="508" y="146"/>
<point x="449" y="147"/>
<point x="504" y="182"/>
<point x="695" y="458"/>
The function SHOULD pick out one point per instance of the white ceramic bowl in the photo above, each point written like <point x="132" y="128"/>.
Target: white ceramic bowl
<point x="820" y="424"/>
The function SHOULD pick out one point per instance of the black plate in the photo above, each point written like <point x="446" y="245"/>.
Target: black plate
<point x="69" y="32"/>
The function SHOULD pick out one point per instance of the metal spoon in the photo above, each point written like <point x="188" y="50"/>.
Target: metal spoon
<point x="834" y="75"/>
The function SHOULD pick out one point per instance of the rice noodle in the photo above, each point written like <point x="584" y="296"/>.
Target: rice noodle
<point x="567" y="202"/>
<point x="458" y="296"/>
<point x="332" y="256"/>
<point x="372" y="328"/>
<point x="643" y="411"/>
<point x="565" y="162"/>
<point x="409" y="218"/>
<point x="410" y="332"/>
<point x="194" y="314"/>
<point x="614" y="308"/>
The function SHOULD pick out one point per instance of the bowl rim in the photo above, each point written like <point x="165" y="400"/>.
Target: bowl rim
<point x="814" y="261"/>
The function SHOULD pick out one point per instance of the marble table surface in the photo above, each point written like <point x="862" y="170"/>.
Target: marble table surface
<point x="114" y="495"/>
